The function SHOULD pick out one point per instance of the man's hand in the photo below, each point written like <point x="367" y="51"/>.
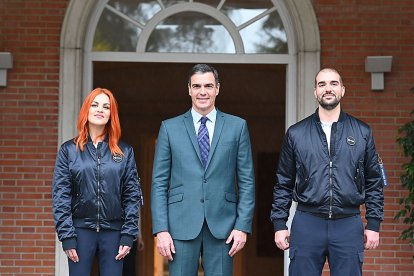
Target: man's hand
<point x="282" y="239"/>
<point x="239" y="240"/>
<point x="165" y="245"/>
<point x="371" y="239"/>
<point x="72" y="255"/>
<point x="122" y="252"/>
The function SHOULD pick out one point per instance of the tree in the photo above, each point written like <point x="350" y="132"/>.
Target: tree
<point x="406" y="141"/>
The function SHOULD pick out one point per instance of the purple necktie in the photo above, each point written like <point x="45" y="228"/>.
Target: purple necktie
<point x="203" y="141"/>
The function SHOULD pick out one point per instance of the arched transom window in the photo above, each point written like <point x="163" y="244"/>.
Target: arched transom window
<point x="203" y="26"/>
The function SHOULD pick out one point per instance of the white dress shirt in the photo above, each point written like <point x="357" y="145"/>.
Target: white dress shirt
<point x="209" y="124"/>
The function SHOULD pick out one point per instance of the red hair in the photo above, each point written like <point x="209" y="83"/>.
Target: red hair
<point x="112" y="127"/>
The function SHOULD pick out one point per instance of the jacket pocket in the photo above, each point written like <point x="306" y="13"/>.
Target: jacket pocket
<point x="361" y="257"/>
<point x="292" y="253"/>
<point x="231" y="197"/>
<point x="75" y="196"/>
<point x="302" y="180"/>
<point x="175" y="198"/>
<point x="359" y="176"/>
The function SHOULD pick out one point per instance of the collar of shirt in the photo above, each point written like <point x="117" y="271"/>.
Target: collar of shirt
<point x="210" y="122"/>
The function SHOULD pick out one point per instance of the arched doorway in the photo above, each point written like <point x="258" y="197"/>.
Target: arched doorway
<point x="299" y="63"/>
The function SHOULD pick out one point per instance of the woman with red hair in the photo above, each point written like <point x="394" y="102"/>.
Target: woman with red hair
<point x="96" y="190"/>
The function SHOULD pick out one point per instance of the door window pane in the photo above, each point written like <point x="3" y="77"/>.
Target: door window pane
<point x="122" y="22"/>
<point x="242" y="11"/>
<point x="141" y="11"/>
<point x="114" y="33"/>
<point x="265" y="36"/>
<point x="190" y="32"/>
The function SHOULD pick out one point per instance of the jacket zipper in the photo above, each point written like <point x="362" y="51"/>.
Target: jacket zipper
<point x="99" y="185"/>
<point x="331" y="153"/>
<point x="330" y="149"/>
<point x="330" y="189"/>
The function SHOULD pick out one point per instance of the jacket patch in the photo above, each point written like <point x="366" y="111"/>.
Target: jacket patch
<point x="117" y="158"/>
<point x="350" y="141"/>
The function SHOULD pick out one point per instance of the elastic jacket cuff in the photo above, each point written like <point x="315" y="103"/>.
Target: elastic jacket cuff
<point x="126" y="240"/>
<point x="279" y="224"/>
<point x="373" y="224"/>
<point x="69" y="244"/>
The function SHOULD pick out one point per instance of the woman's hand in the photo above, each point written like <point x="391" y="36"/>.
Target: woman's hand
<point x="72" y="255"/>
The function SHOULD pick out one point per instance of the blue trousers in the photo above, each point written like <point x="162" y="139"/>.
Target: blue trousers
<point x="130" y="266"/>
<point x="314" y="239"/>
<point x="214" y="254"/>
<point x="105" y="244"/>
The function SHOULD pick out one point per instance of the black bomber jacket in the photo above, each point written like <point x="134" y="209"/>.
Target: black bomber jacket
<point x="94" y="189"/>
<point x="329" y="183"/>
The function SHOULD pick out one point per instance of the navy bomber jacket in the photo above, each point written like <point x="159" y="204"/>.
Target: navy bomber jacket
<point x="94" y="189"/>
<point x="331" y="183"/>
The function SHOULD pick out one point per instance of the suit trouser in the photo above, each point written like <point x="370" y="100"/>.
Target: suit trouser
<point x="104" y="243"/>
<point x="313" y="239"/>
<point x="214" y="254"/>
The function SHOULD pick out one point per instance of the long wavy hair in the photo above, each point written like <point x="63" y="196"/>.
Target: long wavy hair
<point x="112" y="127"/>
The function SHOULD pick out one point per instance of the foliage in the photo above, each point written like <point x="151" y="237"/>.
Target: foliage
<point x="272" y="42"/>
<point x="406" y="141"/>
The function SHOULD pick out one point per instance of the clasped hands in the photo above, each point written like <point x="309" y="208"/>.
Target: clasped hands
<point x="165" y="244"/>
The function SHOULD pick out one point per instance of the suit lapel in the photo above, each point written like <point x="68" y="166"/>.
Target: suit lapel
<point x="216" y="137"/>
<point x="189" y="125"/>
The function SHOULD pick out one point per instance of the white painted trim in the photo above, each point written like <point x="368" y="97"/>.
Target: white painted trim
<point x="87" y="47"/>
<point x="70" y="86"/>
<point x="189" y="57"/>
<point x="304" y="38"/>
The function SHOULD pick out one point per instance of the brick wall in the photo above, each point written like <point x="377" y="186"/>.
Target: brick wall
<point x="30" y="30"/>
<point x="350" y="31"/>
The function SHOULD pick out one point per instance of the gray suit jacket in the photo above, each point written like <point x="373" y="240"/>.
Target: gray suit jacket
<point x="184" y="193"/>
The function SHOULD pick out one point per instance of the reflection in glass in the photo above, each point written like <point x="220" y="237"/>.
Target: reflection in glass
<point x="265" y="36"/>
<point x="139" y="10"/>
<point x="242" y="11"/>
<point x="115" y="34"/>
<point x="190" y="32"/>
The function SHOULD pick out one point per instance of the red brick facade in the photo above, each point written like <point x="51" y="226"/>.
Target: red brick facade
<point x="350" y="31"/>
<point x="30" y="30"/>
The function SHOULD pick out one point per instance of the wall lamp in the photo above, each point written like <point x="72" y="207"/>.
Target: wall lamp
<point x="6" y="62"/>
<point x="377" y="65"/>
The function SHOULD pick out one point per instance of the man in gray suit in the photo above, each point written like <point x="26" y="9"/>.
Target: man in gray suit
<point x="202" y="196"/>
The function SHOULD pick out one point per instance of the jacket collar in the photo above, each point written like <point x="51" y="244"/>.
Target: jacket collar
<point x="106" y="138"/>
<point x="341" y="119"/>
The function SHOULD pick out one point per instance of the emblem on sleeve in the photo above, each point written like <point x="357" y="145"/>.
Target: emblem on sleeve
<point x="117" y="158"/>
<point x="350" y="140"/>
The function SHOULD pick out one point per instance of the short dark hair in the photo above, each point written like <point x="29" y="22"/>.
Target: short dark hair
<point x="202" y="68"/>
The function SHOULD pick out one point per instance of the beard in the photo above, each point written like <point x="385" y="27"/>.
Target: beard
<point x="328" y="105"/>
